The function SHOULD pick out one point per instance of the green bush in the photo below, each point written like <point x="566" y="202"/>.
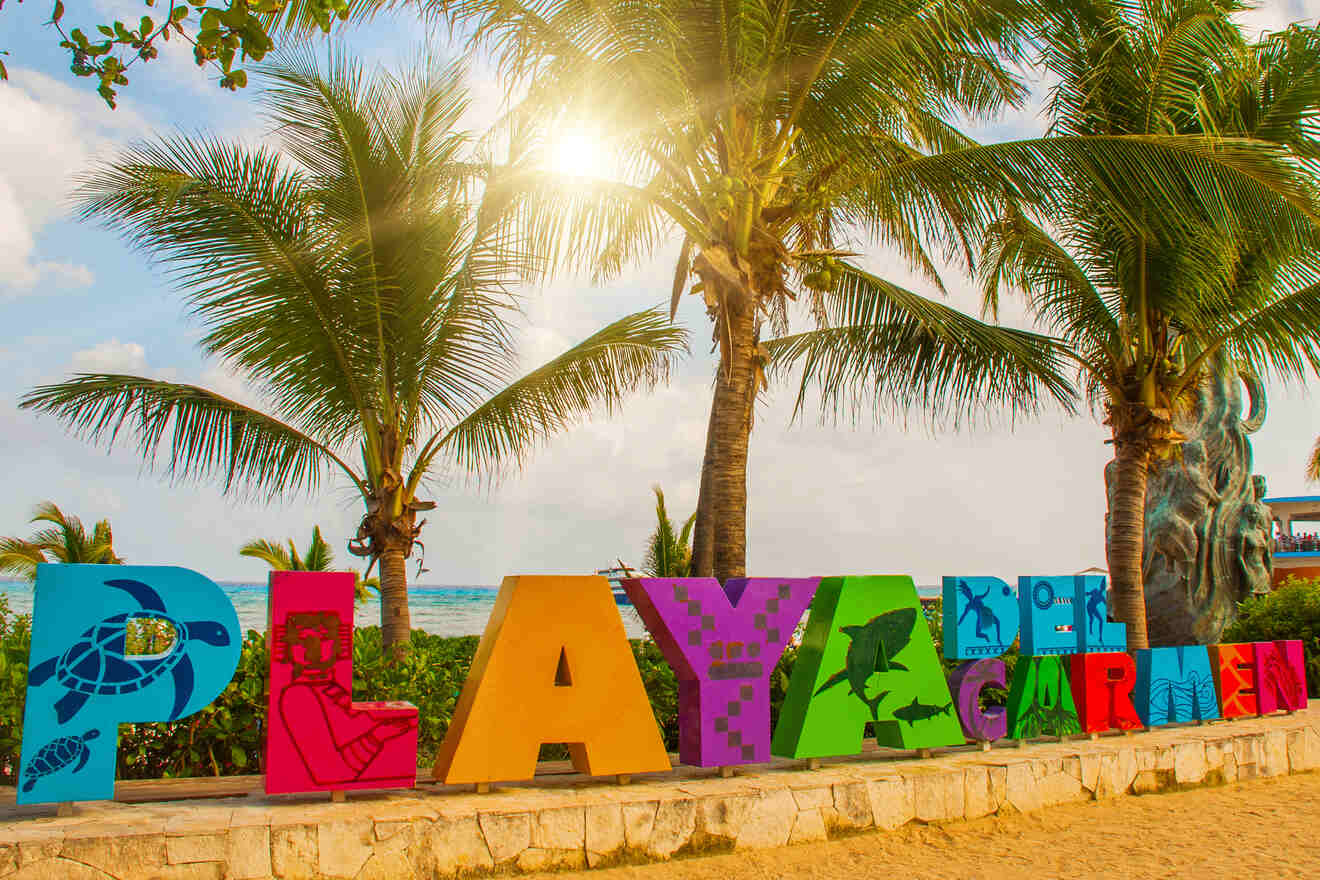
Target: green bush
<point x="1290" y="612"/>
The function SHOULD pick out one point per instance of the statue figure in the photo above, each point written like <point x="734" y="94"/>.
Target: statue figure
<point x="1208" y="534"/>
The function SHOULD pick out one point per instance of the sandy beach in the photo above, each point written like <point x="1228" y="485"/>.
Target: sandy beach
<point x="1263" y="828"/>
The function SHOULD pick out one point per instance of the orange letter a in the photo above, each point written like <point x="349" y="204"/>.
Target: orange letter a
<point x="553" y="666"/>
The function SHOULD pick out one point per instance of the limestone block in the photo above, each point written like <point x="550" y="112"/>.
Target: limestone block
<point x="1024" y="793"/>
<point x="343" y="847"/>
<point x="723" y="815"/>
<point x="852" y="806"/>
<point x="59" y="869"/>
<point x="1118" y="769"/>
<point x="191" y="871"/>
<point x="1230" y="769"/>
<point x="450" y="845"/>
<point x="293" y="852"/>
<point x="604" y="832"/>
<point x="195" y="848"/>
<point x="978" y="793"/>
<point x="1061" y="788"/>
<point x="1189" y="764"/>
<point x="1275" y="752"/>
<point x="939" y="797"/>
<point x="560" y="828"/>
<point x="248" y="853"/>
<point x="1248" y="750"/>
<point x="999" y="785"/>
<point x="770" y="821"/>
<point x="507" y="834"/>
<point x="639" y="823"/>
<point x="675" y="820"/>
<point x="1148" y="781"/>
<point x="1164" y="758"/>
<point x="892" y="801"/>
<point x="387" y="829"/>
<point x="388" y="864"/>
<point x="35" y="845"/>
<point x="536" y="858"/>
<point x="1303" y="750"/>
<point x="808" y="827"/>
<point x="1089" y="767"/>
<point x="121" y="856"/>
<point x="815" y="797"/>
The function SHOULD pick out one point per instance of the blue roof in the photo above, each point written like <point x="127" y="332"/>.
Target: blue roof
<point x="1283" y="499"/>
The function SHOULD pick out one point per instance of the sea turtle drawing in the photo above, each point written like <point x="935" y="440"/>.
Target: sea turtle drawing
<point x="56" y="755"/>
<point x="98" y="663"/>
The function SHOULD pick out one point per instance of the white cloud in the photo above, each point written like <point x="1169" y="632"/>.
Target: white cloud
<point x="52" y="131"/>
<point x="111" y="356"/>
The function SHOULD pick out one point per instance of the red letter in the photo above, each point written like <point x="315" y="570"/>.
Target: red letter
<point x="1102" y="689"/>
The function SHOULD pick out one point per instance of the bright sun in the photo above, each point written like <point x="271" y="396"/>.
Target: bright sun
<point x="577" y="152"/>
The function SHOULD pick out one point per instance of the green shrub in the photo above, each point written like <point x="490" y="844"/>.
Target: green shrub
<point x="15" y="636"/>
<point x="1290" y="612"/>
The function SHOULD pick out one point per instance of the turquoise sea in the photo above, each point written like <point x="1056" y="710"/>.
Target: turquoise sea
<point x="443" y="610"/>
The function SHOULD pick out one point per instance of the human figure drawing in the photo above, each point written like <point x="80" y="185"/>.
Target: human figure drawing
<point x="337" y="742"/>
<point x="985" y="617"/>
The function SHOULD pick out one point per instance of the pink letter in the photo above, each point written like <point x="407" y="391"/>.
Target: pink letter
<point x="317" y="738"/>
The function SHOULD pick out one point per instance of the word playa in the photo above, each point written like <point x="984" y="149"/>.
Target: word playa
<point x="554" y="666"/>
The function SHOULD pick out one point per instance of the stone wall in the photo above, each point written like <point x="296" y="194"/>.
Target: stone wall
<point x="435" y="832"/>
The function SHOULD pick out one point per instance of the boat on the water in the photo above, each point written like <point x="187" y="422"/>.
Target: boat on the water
<point x="615" y="576"/>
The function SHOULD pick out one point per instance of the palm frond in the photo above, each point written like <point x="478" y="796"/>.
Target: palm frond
<point x="633" y="352"/>
<point x="275" y="555"/>
<point x="893" y="350"/>
<point x="204" y="433"/>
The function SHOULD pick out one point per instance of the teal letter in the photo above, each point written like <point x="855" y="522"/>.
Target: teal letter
<point x="1175" y="684"/>
<point x="83" y="683"/>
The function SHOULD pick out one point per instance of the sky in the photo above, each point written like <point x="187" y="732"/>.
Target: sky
<point x="872" y="498"/>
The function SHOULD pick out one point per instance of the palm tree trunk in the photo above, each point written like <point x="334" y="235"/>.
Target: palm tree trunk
<point x="395" y="621"/>
<point x="731" y="413"/>
<point x="1127" y="531"/>
<point x="703" y="530"/>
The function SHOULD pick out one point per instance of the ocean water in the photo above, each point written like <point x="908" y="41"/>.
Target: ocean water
<point x="442" y="610"/>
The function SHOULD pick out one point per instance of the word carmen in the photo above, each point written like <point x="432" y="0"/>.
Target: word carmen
<point x="554" y="666"/>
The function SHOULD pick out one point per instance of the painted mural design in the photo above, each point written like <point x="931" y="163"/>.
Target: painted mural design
<point x="318" y="739"/>
<point x="84" y="682"/>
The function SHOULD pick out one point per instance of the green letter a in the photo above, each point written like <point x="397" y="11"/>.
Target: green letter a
<point x="867" y="656"/>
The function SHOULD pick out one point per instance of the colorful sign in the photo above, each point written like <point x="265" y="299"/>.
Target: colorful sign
<point x="723" y="643"/>
<point x="317" y="738"/>
<point x="555" y="666"/>
<point x="83" y="682"/>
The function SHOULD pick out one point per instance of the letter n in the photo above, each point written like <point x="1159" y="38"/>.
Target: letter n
<point x="867" y="656"/>
<point x="1280" y="676"/>
<point x="553" y="666"/>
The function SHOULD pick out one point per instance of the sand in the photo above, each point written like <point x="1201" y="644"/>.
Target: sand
<point x="1254" y="830"/>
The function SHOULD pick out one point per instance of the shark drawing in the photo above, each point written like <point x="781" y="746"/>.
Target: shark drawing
<point x="871" y="649"/>
<point x="914" y="711"/>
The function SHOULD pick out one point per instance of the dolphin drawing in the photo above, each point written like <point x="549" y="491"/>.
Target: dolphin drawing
<point x="871" y="649"/>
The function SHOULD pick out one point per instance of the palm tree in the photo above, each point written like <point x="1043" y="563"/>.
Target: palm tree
<point x="358" y="278"/>
<point x="668" y="553"/>
<point x="317" y="557"/>
<point x="1145" y="301"/>
<point x="779" y="137"/>
<point x="64" y="540"/>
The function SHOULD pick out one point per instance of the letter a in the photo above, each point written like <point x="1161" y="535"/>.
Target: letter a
<point x="83" y="682"/>
<point x="867" y="656"/>
<point x="553" y="666"/>
<point x="317" y="738"/>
